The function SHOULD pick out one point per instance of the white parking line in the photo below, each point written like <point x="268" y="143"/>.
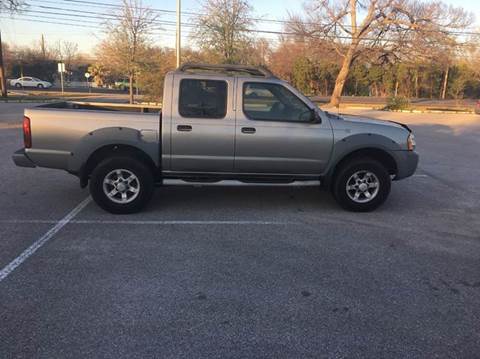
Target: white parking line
<point x="43" y="239"/>
<point x="133" y="222"/>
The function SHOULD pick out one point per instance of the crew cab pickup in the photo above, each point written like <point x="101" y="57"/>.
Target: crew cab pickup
<point x="218" y="124"/>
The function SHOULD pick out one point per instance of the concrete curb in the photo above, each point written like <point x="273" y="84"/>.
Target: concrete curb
<point x="433" y="111"/>
<point x="462" y="112"/>
<point x="30" y="101"/>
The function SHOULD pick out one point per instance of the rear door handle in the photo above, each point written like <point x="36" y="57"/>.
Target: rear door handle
<point x="249" y="130"/>
<point x="184" y="128"/>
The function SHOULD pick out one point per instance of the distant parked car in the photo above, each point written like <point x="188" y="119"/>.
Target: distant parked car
<point x="477" y="107"/>
<point x="30" y="82"/>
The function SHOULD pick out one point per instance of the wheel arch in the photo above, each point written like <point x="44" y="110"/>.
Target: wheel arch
<point x="375" y="153"/>
<point x="111" y="150"/>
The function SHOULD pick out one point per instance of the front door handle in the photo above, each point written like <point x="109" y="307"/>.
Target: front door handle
<point x="184" y="128"/>
<point x="249" y="130"/>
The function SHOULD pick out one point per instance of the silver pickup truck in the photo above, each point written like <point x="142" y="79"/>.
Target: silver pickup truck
<point x="218" y="124"/>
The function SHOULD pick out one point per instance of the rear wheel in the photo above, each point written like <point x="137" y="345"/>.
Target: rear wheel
<point x="18" y="85"/>
<point x="122" y="185"/>
<point x="361" y="185"/>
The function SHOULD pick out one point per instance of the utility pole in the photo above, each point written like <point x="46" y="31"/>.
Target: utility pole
<point x="43" y="48"/>
<point x="179" y="33"/>
<point x="3" y="80"/>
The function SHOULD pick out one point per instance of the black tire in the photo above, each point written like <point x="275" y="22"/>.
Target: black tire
<point x="346" y="174"/>
<point x="18" y="85"/>
<point x="144" y="179"/>
<point x="40" y="86"/>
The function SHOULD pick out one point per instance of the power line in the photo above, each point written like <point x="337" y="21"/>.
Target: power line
<point x="255" y="19"/>
<point x="47" y="22"/>
<point x="115" y="17"/>
<point x="68" y="13"/>
<point x="78" y="23"/>
<point x="105" y="17"/>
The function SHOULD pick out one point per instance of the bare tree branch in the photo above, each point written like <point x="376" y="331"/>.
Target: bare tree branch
<point x="390" y="25"/>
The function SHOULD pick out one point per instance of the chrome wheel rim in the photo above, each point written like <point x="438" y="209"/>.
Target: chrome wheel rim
<point x="362" y="186"/>
<point x="121" y="186"/>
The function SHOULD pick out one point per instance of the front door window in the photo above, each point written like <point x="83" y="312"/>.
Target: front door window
<point x="273" y="102"/>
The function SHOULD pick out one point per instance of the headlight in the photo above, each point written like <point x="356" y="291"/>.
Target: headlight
<point x="411" y="142"/>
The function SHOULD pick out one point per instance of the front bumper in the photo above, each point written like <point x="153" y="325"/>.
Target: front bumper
<point x="21" y="159"/>
<point x="407" y="162"/>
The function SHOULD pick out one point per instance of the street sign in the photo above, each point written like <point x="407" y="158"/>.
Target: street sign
<point x="61" y="69"/>
<point x="87" y="75"/>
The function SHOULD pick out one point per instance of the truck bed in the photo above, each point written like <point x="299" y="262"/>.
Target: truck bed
<point x="64" y="134"/>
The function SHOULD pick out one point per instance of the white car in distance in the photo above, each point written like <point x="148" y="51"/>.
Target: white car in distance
<point x="27" y="81"/>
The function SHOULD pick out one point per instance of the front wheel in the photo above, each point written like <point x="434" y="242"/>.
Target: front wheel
<point x="361" y="185"/>
<point x="18" y="85"/>
<point x="122" y="185"/>
<point x="40" y="86"/>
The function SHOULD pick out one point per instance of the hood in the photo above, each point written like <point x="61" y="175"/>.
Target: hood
<point x="370" y="121"/>
<point x="367" y="120"/>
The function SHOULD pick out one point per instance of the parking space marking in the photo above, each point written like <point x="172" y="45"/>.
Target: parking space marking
<point x="9" y="268"/>
<point x="134" y="222"/>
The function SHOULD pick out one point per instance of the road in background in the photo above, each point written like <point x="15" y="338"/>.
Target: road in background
<point x="248" y="272"/>
<point x="98" y="90"/>
<point x="49" y="96"/>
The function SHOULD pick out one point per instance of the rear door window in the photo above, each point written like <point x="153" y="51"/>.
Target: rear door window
<point x="203" y="98"/>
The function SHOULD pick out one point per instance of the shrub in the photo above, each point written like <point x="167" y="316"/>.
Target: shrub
<point x="397" y="103"/>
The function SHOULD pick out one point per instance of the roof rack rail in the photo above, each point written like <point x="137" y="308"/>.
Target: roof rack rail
<point x="250" y="70"/>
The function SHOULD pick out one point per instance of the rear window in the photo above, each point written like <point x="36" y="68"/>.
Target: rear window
<point x="203" y="98"/>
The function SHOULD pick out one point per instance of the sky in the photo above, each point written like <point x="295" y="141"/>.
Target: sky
<point x="21" y="30"/>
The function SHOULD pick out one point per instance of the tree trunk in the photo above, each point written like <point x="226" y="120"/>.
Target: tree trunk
<point x="416" y="84"/>
<point x="445" y="83"/>
<point x="3" y="81"/>
<point x="130" y="79"/>
<point x="343" y="74"/>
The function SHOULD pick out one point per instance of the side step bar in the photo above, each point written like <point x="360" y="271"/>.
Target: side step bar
<point x="235" y="183"/>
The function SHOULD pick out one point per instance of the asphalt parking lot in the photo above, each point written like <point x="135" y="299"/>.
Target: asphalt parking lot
<point x="246" y="272"/>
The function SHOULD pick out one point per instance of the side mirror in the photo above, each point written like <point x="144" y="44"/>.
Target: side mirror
<point x="315" y="117"/>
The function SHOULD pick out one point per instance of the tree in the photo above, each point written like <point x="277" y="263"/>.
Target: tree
<point x="157" y="62"/>
<point x="98" y="73"/>
<point x="392" y="26"/>
<point x="127" y="40"/>
<point x="302" y="74"/>
<point x="462" y="76"/>
<point x="25" y="61"/>
<point x="11" y="5"/>
<point x="256" y="52"/>
<point x="66" y="52"/>
<point x="283" y="58"/>
<point x="224" y="28"/>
